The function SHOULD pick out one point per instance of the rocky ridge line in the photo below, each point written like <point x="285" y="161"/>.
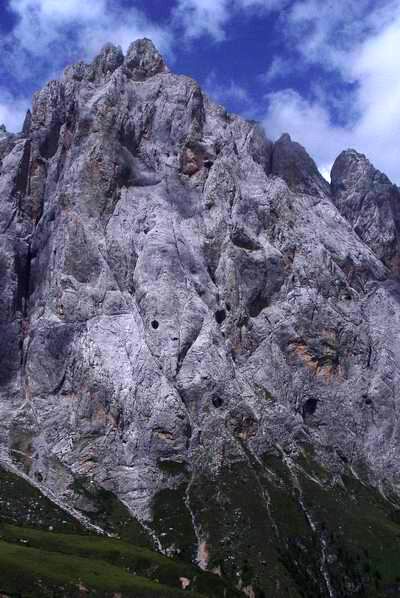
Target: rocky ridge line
<point x="180" y="295"/>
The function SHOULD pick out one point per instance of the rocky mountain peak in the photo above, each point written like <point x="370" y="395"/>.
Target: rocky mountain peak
<point x="195" y="324"/>
<point x="351" y="169"/>
<point x="144" y="60"/>
<point x="370" y="202"/>
<point x="109" y="59"/>
<point x="26" y="126"/>
<point x="291" y="162"/>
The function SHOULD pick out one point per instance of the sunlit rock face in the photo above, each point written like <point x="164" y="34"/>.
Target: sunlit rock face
<point x="371" y="204"/>
<point x="182" y="299"/>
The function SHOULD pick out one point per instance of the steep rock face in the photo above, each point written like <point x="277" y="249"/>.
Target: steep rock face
<point x="184" y="307"/>
<point x="370" y="203"/>
<point x="291" y="162"/>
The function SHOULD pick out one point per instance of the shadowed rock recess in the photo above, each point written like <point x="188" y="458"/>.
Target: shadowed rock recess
<point x="201" y="334"/>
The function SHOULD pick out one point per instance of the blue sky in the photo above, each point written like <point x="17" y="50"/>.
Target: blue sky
<point x="325" y="71"/>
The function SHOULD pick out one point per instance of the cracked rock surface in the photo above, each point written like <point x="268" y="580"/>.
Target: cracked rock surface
<point x="182" y="299"/>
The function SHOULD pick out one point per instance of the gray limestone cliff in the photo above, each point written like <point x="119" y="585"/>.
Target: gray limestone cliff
<point x="188" y="311"/>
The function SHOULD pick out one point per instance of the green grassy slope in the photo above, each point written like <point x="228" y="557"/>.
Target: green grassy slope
<point x="37" y="572"/>
<point x="289" y="530"/>
<point x="278" y="528"/>
<point x="50" y="554"/>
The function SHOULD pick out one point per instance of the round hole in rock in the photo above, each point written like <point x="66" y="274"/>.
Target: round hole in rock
<point x="220" y="315"/>
<point x="155" y="324"/>
<point x="368" y="401"/>
<point x="310" y="407"/>
<point x="217" y="402"/>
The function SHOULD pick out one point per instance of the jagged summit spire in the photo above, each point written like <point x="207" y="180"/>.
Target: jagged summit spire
<point x="109" y="58"/>
<point x="144" y="60"/>
<point x="291" y="162"/>
<point x="285" y="138"/>
<point x="368" y="200"/>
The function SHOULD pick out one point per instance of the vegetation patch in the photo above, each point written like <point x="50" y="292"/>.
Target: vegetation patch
<point x="33" y="572"/>
<point x="46" y="552"/>
<point x="285" y="528"/>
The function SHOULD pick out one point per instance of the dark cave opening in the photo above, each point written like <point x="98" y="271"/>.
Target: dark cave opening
<point x="220" y="315"/>
<point x="309" y="407"/>
<point x="217" y="402"/>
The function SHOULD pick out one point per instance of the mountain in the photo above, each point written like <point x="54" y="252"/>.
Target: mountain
<point x="199" y="332"/>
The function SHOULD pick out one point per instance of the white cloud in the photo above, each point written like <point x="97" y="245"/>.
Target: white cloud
<point x="279" y="68"/>
<point x="49" y="33"/>
<point x="367" y="58"/>
<point x="71" y="9"/>
<point x="377" y="72"/>
<point x="325" y="170"/>
<point x="200" y="17"/>
<point x="223" y="92"/>
<point x="211" y="17"/>
<point x="12" y="110"/>
<point x="307" y="122"/>
<point x="324" y="31"/>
